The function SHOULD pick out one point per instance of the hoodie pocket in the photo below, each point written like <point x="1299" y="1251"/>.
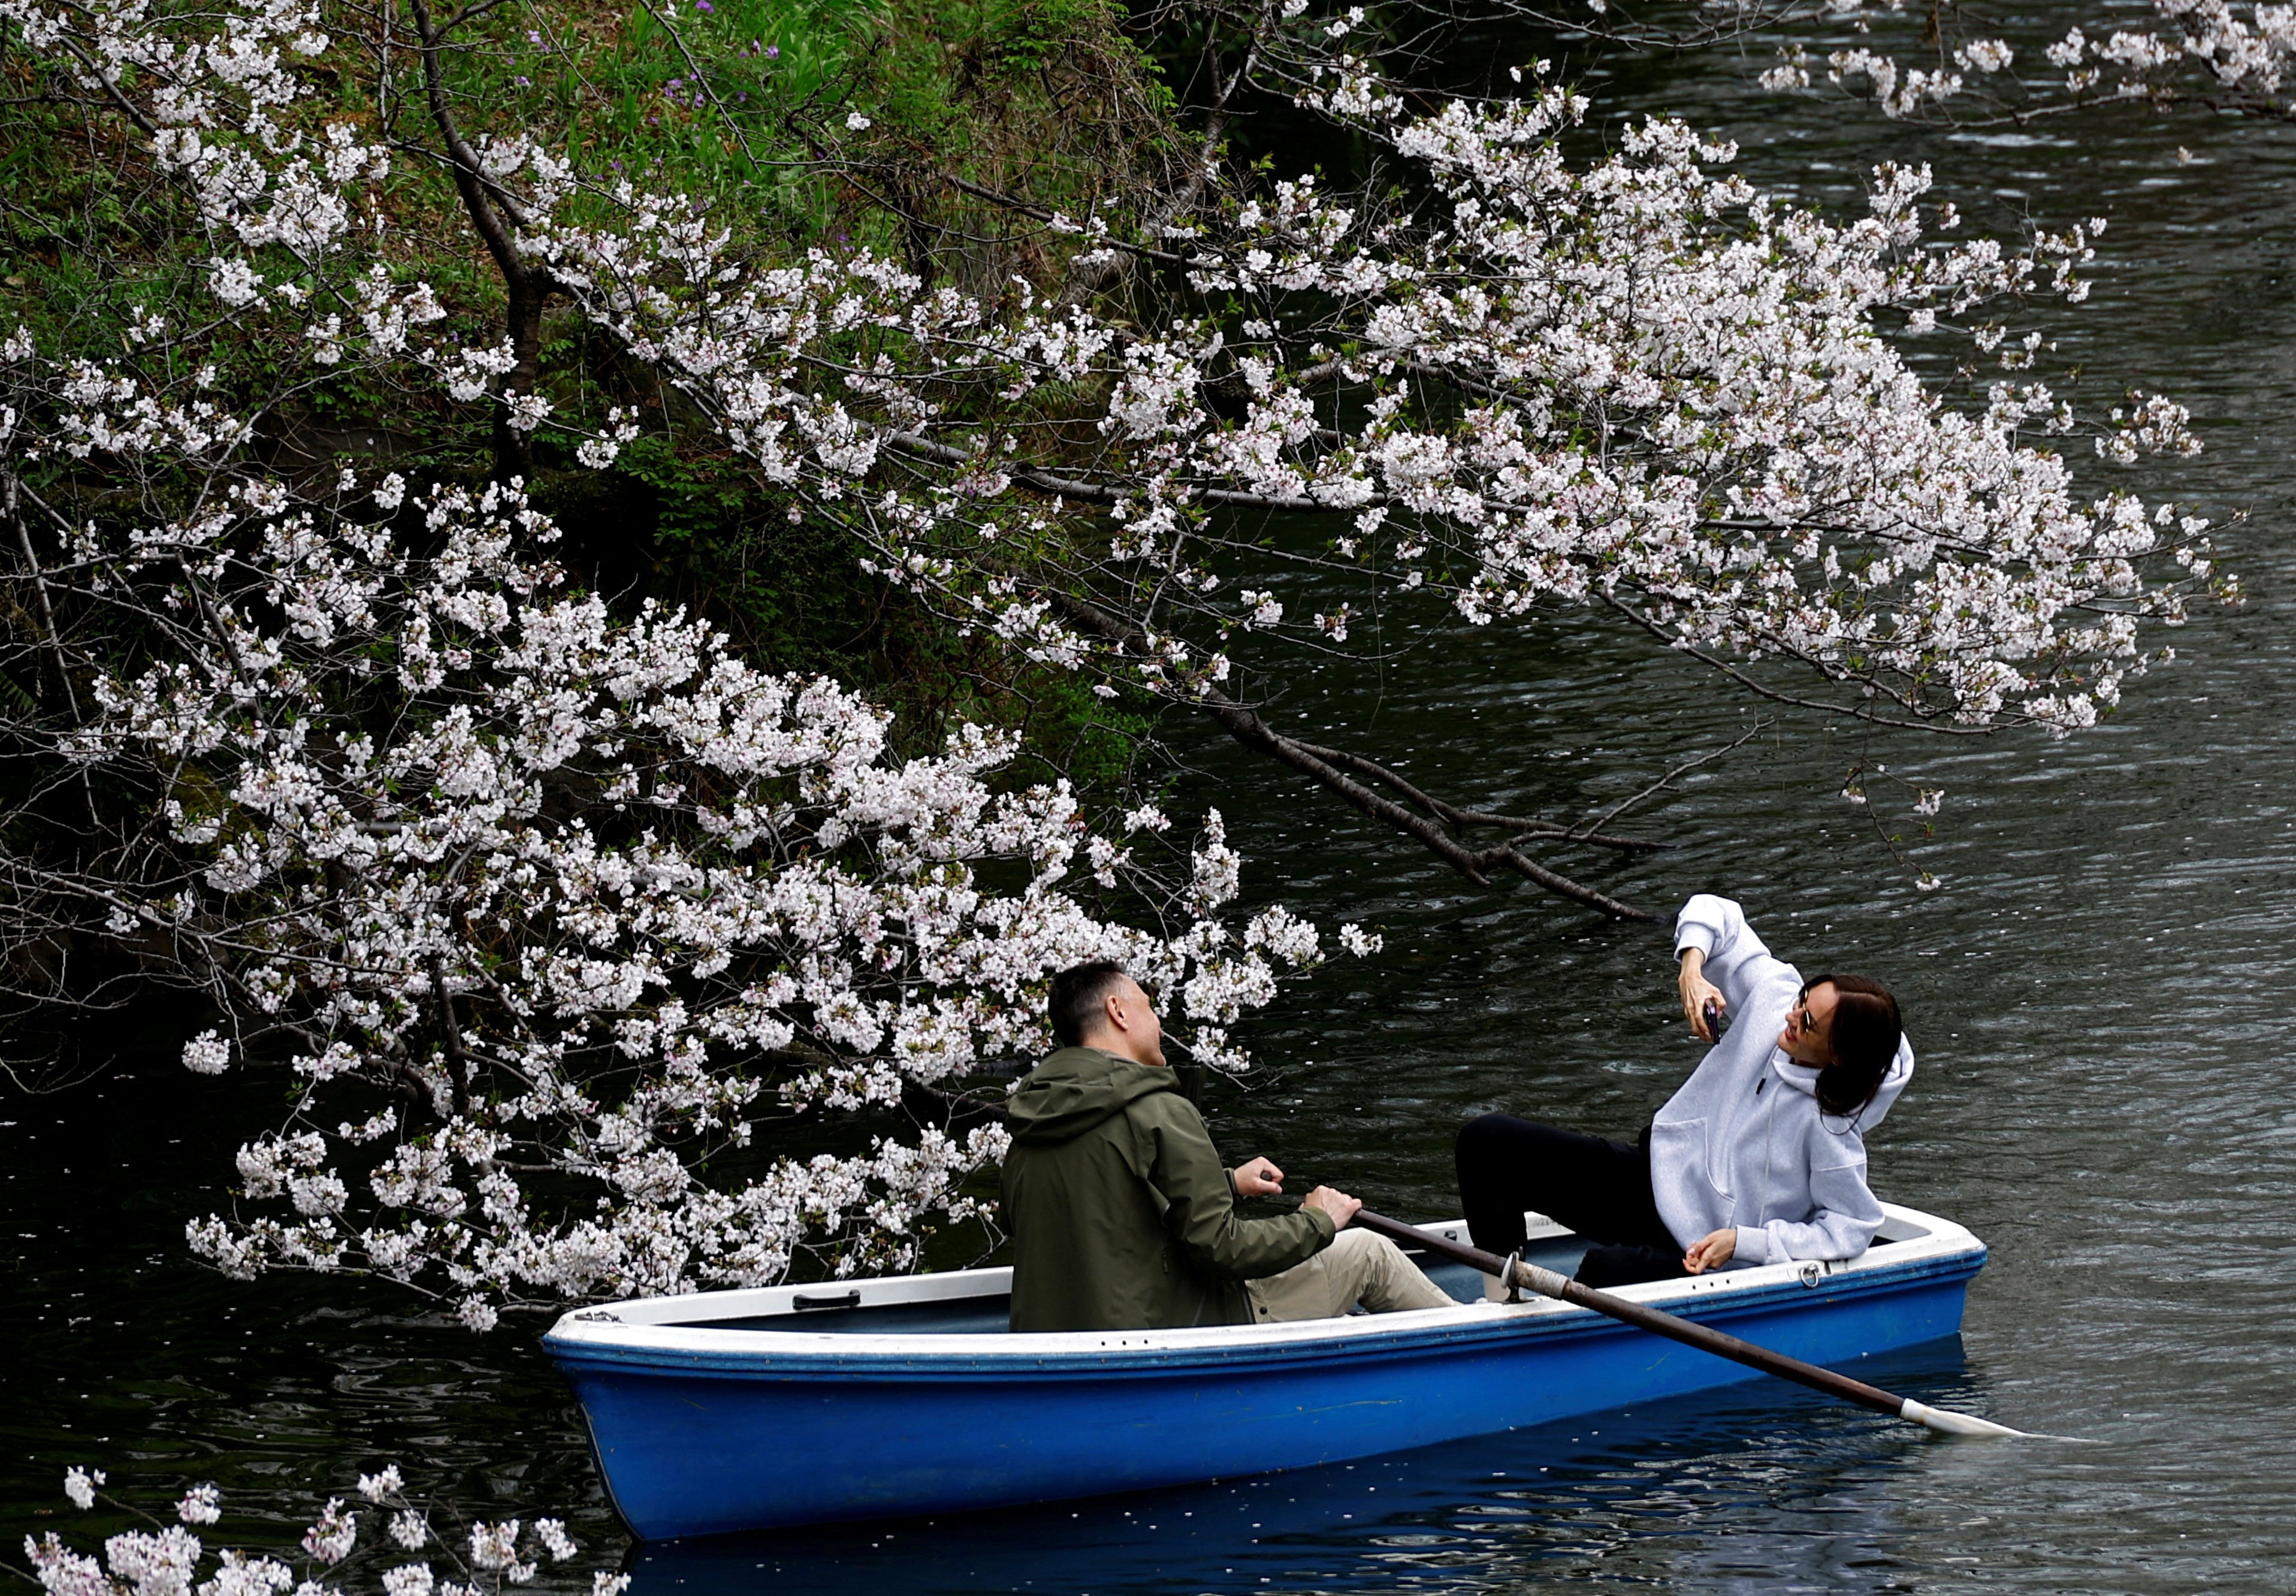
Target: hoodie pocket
<point x="1678" y="1155"/>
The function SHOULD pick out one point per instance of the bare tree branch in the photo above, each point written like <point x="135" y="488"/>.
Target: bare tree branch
<point x="497" y="215"/>
<point x="1478" y="817"/>
<point x="1667" y="780"/>
<point x="1245" y="726"/>
<point x="40" y="587"/>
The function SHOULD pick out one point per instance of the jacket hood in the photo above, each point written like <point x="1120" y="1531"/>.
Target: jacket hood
<point x="1803" y="1079"/>
<point x="1077" y="1089"/>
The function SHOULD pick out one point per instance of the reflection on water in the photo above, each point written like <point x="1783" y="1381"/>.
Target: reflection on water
<point x="1755" y="1488"/>
<point x="2101" y="1001"/>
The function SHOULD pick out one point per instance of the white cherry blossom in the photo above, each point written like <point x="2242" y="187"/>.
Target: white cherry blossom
<point x="169" y="1561"/>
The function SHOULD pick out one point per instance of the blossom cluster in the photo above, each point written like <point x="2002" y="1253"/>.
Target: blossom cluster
<point x="566" y="904"/>
<point x="2209" y="53"/>
<point x="2158" y="53"/>
<point x="1638" y="383"/>
<point x="169" y="1559"/>
<point x="291" y="200"/>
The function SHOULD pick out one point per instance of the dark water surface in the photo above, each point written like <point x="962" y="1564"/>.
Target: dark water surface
<point x="2102" y="998"/>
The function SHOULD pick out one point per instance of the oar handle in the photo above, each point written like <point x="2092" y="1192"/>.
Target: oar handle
<point x="1546" y="1282"/>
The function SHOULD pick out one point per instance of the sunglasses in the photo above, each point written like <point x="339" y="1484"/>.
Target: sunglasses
<point x="1804" y="1022"/>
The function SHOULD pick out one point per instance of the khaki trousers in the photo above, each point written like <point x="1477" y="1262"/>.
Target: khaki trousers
<point x="1356" y="1267"/>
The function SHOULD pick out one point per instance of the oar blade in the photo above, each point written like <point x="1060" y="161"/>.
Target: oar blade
<point x="1546" y="1282"/>
<point x="1945" y="1421"/>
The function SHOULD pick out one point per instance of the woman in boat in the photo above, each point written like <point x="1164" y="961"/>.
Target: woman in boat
<point x="1760" y="1157"/>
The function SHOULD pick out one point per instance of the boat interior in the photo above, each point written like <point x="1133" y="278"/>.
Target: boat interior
<point x="974" y="1301"/>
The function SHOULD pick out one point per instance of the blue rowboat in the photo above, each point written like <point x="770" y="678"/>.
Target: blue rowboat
<point x="730" y="1411"/>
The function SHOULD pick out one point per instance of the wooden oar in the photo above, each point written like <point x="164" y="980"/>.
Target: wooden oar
<point x="1722" y="1345"/>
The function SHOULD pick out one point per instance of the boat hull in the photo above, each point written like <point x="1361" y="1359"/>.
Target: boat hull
<point x="716" y="1434"/>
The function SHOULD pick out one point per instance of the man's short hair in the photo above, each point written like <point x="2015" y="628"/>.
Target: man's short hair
<point x="1079" y="998"/>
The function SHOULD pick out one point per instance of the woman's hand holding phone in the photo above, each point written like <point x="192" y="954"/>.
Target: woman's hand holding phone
<point x="1698" y="995"/>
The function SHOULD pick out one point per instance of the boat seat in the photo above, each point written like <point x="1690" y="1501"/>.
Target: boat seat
<point x="985" y="1315"/>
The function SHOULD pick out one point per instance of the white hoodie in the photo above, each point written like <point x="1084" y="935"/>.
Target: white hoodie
<point x="1744" y="1142"/>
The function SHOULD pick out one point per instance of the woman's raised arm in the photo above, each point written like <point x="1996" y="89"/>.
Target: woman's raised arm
<point x="1721" y="958"/>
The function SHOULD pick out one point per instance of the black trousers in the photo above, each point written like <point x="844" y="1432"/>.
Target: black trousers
<point x="1599" y="1188"/>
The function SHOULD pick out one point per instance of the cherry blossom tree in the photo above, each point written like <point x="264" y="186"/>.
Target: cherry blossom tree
<point x="1635" y="384"/>
<point x="570" y="907"/>
<point x="548" y="906"/>
<point x="545" y="910"/>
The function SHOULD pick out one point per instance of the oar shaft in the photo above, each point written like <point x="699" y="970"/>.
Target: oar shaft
<point x="1546" y="1282"/>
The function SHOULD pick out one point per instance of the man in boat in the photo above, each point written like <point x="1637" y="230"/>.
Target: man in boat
<point x="1123" y="1215"/>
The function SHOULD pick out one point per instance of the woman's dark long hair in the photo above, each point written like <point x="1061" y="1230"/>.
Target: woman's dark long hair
<point x="1866" y="1031"/>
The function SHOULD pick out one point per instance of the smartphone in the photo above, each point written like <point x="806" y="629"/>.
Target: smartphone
<point x="1717" y="1020"/>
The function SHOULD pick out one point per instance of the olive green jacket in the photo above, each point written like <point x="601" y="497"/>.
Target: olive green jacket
<point x="1123" y="1215"/>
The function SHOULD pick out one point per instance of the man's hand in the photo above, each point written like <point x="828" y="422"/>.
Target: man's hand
<point x="1712" y="1253"/>
<point x="1339" y="1204"/>
<point x="1697" y="992"/>
<point x="1258" y="1178"/>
